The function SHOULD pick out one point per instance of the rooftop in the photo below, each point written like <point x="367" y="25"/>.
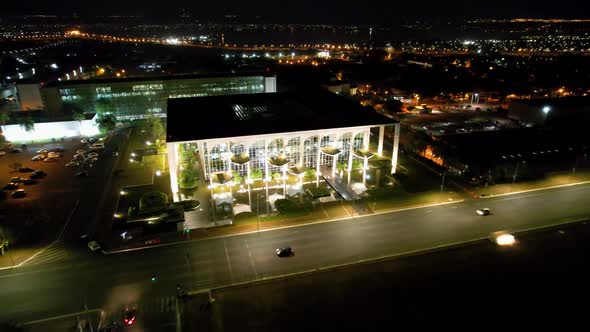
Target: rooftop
<point x="151" y="78"/>
<point x="256" y="114"/>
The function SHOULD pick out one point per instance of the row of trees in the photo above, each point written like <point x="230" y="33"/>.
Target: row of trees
<point x="26" y="122"/>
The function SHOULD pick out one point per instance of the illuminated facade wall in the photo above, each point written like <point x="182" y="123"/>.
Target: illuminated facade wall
<point x="298" y="148"/>
<point x="49" y="130"/>
<point x="138" y="99"/>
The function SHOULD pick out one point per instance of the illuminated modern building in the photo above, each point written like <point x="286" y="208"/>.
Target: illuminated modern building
<point x="138" y="97"/>
<point x="257" y="139"/>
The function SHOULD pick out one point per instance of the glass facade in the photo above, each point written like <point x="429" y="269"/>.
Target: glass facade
<point x="138" y="99"/>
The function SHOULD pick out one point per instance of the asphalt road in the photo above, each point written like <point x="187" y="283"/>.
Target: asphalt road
<point x="113" y="281"/>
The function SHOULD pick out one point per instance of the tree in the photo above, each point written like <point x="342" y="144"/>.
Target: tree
<point x="154" y="128"/>
<point x="27" y="123"/>
<point x="238" y="178"/>
<point x="79" y="116"/>
<point x="106" y="122"/>
<point x="256" y="174"/>
<point x="4" y="118"/>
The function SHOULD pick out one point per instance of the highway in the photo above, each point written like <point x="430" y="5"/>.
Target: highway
<point x="113" y="281"/>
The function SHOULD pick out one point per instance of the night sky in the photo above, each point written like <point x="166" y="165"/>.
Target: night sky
<point x="306" y="11"/>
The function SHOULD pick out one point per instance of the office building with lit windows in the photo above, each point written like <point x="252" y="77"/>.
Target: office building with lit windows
<point x="270" y="142"/>
<point x="138" y="97"/>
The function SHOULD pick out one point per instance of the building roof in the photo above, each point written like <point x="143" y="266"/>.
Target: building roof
<point x="150" y="78"/>
<point x="266" y="113"/>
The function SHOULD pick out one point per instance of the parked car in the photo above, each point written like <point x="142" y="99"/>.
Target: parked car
<point x="93" y="245"/>
<point x="285" y="252"/>
<point x="83" y="141"/>
<point x="97" y="146"/>
<point x="38" y="174"/>
<point x="49" y="159"/>
<point x="92" y="155"/>
<point x="54" y="155"/>
<point x="78" y="157"/>
<point x="87" y="165"/>
<point x="42" y="151"/>
<point x="80" y="151"/>
<point x="2" y="153"/>
<point x="38" y="157"/>
<point x="26" y="170"/>
<point x="72" y="164"/>
<point x="19" y="193"/>
<point x="16" y="179"/>
<point x="15" y="150"/>
<point x="29" y="181"/>
<point x="57" y="150"/>
<point x="81" y="174"/>
<point x="10" y="186"/>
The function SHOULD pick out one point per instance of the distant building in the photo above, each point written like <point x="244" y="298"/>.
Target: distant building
<point x="565" y="112"/>
<point x="138" y="97"/>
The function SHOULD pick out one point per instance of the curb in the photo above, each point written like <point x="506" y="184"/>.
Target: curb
<point x="536" y="189"/>
<point x="110" y="252"/>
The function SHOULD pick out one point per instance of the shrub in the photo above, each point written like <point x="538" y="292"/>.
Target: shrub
<point x="152" y="201"/>
<point x="188" y="178"/>
<point x="317" y="192"/>
<point x="256" y="174"/>
<point x="291" y="207"/>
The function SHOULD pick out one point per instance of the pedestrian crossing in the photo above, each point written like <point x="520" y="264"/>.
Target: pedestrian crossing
<point x="55" y="252"/>
<point x="157" y="304"/>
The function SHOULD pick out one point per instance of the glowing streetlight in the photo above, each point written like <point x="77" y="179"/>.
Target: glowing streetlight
<point x="158" y="173"/>
<point x="546" y="109"/>
<point x="123" y="192"/>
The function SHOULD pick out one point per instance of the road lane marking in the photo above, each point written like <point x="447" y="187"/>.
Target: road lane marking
<point x="231" y="273"/>
<point x="251" y="259"/>
<point x="384" y="257"/>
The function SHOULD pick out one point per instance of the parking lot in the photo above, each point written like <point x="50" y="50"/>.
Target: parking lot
<point x="49" y="202"/>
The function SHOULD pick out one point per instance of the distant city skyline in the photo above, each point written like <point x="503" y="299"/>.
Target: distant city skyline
<point x="305" y="11"/>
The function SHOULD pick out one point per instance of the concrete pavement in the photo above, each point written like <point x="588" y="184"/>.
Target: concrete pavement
<point x="120" y="279"/>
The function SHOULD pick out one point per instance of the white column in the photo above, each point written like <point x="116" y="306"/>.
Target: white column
<point x="395" y="147"/>
<point x="208" y="161"/>
<point x="366" y="138"/>
<point x="229" y="154"/>
<point x="334" y="165"/>
<point x="171" y="148"/>
<point x="202" y="157"/>
<point x="301" y="149"/>
<point x="318" y="156"/>
<point x="266" y="163"/>
<point x="350" y="150"/>
<point x="381" y="135"/>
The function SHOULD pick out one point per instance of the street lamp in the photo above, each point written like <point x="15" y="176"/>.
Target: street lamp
<point x="442" y="184"/>
<point x="546" y="109"/>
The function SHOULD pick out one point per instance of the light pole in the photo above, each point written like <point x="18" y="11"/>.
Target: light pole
<point x="516" y="172"/>
<point x="257" y="214"/>
<point x="442" y="185"/>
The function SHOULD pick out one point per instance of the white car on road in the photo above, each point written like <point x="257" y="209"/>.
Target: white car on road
<point x="93" y="245"/>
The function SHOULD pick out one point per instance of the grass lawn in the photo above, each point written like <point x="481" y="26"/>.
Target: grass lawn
<point x="552" y="179"/>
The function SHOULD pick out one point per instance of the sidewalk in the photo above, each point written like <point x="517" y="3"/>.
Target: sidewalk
<point x="15" y="256"/>
<point x="326" y="213"/>
<point x="553" y="180"/>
